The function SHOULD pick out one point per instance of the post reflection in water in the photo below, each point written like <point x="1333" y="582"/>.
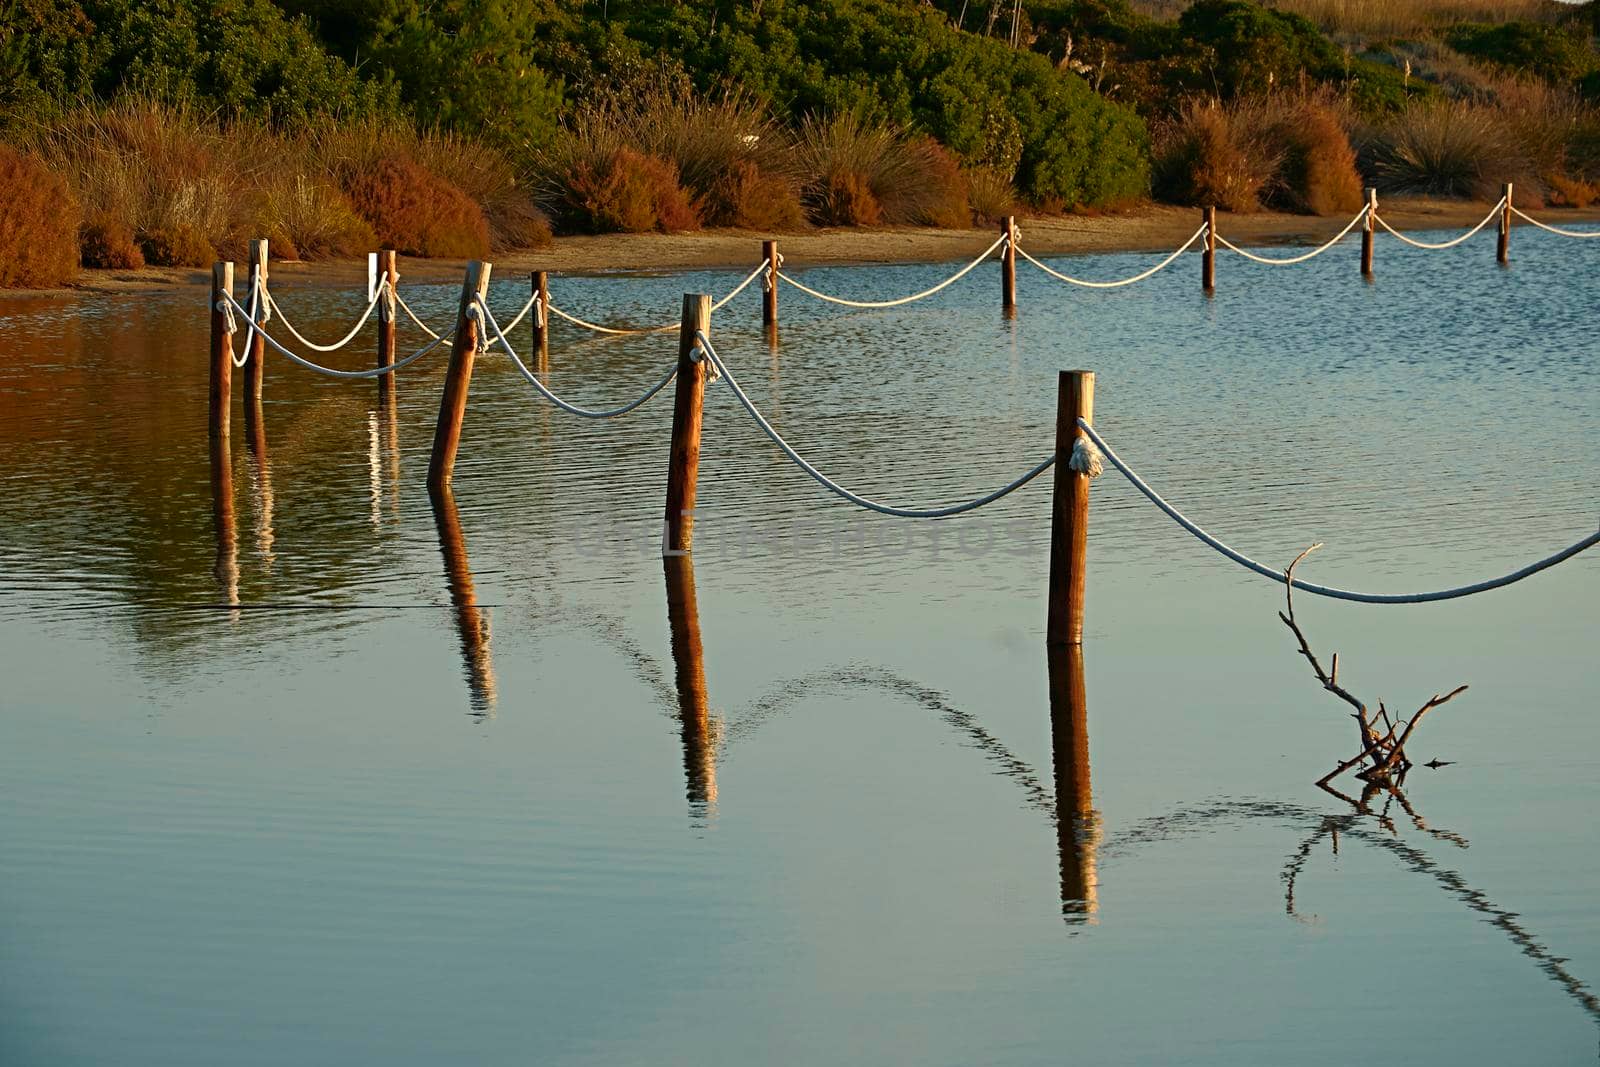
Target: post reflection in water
<point x="383" y="458"/>
<point x="1077" y="823"/>
<point x="223" y="522"/>
<point x="260" y="479"/>
<point x="700" y="734"/>
<point x="472" y="622"/>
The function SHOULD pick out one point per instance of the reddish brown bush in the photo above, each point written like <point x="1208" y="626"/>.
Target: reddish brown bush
<point x="1213" y="154"/>
<point x="846" y="200"/>
<point x="1570" y="192"/>
<point x="749" y="197"/>
<point x="181" y="245"/>
<point x="38" y="224"/>
<point x="1318" y="175"/>
<point x="416" y="211"/>
<point x="631" y="192"/>
<point x="944" y="202"/>
<point x="106" y="243"/>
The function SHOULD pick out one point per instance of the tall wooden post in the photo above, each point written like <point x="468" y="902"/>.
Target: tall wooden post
<point x="1069" y="520"/>
<point x="541" y="321"/>
<point x="453" y="401"/>
<point x="388" y="311"/>
<point x="1208" y="264"/>
<point x="221" y="393"/>
<point x="769" y="291"/>
<point x="254" y="366"/>
<point x="1369" y="233"/>
<point x="689" y="676"/>
<point x="1008" y="266"/>
<point x="1503" y="253"/>
<point x="683" y="467"/>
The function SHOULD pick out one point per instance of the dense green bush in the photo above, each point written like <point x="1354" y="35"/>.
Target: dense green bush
<point x="1549" y="52"/>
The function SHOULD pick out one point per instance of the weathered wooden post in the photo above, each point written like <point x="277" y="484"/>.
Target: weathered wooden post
<point x="1369" y="233"/>
<point x="769" y="291"/>
<point x="254" y="366"/>
<point x="1208" y="261"/>
<point x="221" y="394"/>
<point x="541" y="320"/>
<point x="388" y="311"/>
<point x="683" y="466"/>
<point x="1069" y="520"/>
<point x="1008" y="266"/>
<point x="453" y="400"/>
<point x="1503" y="252"/>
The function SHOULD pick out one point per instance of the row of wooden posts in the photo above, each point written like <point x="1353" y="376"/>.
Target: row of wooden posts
<point x="1074" y="400"/>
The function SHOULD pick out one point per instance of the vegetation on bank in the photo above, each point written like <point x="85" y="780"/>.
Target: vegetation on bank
<point x="169" y="133"/>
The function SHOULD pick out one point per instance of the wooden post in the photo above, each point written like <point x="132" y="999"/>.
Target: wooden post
<point x="1069" y="521"/>
<point x="1503" y="252"/>
<point x="541" y="321"/>
<point x="221" y="395"/>
<point x="1008" y="266"/>
<point x="689" y="676"/>
<point x="453" y="401"/>
<point x="1208" y="264"/>
<point x="389" y="272"/>
<point x="683" y="467"/>
<point x="254" y="366"/>
<point x="1369" y="232"/>
<point x="769" y="291"/>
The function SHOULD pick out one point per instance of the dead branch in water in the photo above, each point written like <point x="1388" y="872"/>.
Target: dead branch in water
<point x="1385" y="750"/>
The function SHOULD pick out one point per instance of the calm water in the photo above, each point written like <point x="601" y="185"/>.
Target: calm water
<point x="328" y="777"/>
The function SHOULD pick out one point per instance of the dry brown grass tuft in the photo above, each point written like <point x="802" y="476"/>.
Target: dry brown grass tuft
<point x="991" y="195"/>
<point x="416" y="211"/>
<point x="1318" y="173"/>
<point x="107" y="243"/>
<point x="179" y="245"/>
<point x="1215" y="154"/>
<point x="1447" y="149"/>
<point x="628" y="191"/>
<point x="947" y="204"/>
<point x="860" y="175"/>
<point x="38" y="223"/>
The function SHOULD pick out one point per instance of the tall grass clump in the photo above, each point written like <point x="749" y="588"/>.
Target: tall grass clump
<point x="1444" y="149"/>
<point x="861" y="174"/>
<point x="990" y="195"/>
<point x="489" y="177"/>
<point x="38" y="223"/>
<point x="1317" y="174"/>
<point x="1214" y="154"/>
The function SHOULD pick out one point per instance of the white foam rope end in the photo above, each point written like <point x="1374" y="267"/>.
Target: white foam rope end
<point x="1086" y="458"/>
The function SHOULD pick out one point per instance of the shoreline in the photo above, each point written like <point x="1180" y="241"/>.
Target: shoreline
<point x="1150" y="227"/>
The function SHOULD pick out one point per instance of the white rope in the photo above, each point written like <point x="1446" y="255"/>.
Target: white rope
<point x="1553" y="229"/>
<point x="1324" y="590"/>
<point x="963" y="272"/>
<point x="832" y="486"/>
<point x="481" y="310"/>
<point x="1125" y="281"/>
<point x="346" y="339"/>
<point x="331" y="372"/>
<point x="663" y="328"/>
<point x="1269" y="261"/>
<point x="255" y="295"/>
<point x="1446" y="244"/>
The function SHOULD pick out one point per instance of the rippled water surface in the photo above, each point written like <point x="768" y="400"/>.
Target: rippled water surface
<point x="311" y="772"/>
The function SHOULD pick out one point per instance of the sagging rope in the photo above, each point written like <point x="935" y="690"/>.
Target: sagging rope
<point x="1446" y="244"/>
<point x="272" y="305"/>
<point x="1164" y="264"/>
<point x="1277" y="575"/>
<point x="480" y="310"/>
<point x="832" y="486"/>
<point x="665" y="327"/>
<point x="870" y="304"/>
<point x="1271" y="262"/>
<point x="233" y="305"/>
<point x="1558" y="231"/>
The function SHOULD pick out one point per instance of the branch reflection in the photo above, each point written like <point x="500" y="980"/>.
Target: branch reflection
<point x="472" y="622"/>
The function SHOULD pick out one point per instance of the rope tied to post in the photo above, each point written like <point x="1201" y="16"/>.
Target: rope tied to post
<point x="704" y="344"/>
<point x="769" y="273"/>
<point x="1086" y="458"/>
<point x="1331" y="592"/>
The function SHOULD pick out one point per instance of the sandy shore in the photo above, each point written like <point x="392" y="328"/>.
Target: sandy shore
<point x="1147" y="228"/>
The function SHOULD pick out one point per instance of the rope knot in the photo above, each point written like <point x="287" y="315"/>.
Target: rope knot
<point x="701" y="353"/>
<point x="476" y="312"/>
<point x="388" y="303"/>
<point x="1086" y="458"/>
<point x="225" y="306"/>
<point x="539" y="317"/>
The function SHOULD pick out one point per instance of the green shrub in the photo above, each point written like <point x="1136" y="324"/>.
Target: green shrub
<point x="1549" y="52"/>
<point x="38" y="223"/>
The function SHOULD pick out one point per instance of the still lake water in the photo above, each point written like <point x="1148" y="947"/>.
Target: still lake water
<point x="349" y="782"/>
